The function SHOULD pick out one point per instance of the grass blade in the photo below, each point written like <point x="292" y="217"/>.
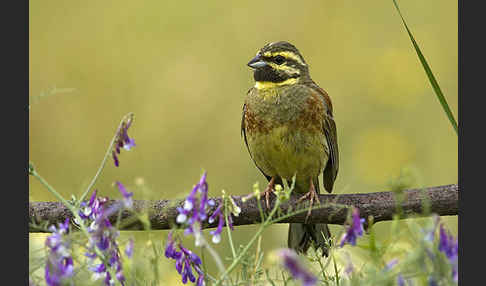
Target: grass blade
<point x="429" y="73"/>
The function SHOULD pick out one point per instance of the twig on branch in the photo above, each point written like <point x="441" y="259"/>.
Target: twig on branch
<point x="441" y="200"/>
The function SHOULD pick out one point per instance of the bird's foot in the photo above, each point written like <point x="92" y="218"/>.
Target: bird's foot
<point x="312" y="195"/>
<point x="268" y="191"/>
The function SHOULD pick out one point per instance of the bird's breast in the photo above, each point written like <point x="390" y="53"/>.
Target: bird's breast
<point x="295" y="107"/>
<point x="284" y="132"/>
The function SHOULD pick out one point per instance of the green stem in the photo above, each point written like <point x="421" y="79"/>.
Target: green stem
<point x="74" y="211"/>
<point x="103" y="162"/>
<point x="214" y="254"/>
<point x="230" y="238"/>
<point x="322" y="268"/>
<point x="429" y="73"/>
<point x="247" y="247"/>
<point x="335" y="271"/>
<point x="205" y="270"/>
<point x="69" y="206"/>
<point x="52" y="190"/>
<point x="291" y="214"/>
<point x="260" y="209"/>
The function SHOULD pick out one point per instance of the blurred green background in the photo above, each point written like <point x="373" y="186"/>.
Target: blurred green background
<point x="180" y="66"/>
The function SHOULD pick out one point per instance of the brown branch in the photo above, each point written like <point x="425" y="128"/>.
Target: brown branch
<point x="441" y="200"/>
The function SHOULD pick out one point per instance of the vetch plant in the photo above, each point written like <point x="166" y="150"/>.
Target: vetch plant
<point x="122" y="140"/>
<point x="129" y="248"/>
<point x="103" y="238"/>
<point x="354" y="230"/>
<point x="291" y="261"/>
<point x="449" y="246"/>
<point x="185" y="261"/>
<point x="59" y="265"/>
<point x="193" y="213"/>
<point x="92" y="218"/>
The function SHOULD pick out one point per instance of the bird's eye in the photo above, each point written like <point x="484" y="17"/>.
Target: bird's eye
<point x="279" y="60"/>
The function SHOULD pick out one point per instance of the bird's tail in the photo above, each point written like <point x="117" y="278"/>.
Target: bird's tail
<point x="302" y="236"/>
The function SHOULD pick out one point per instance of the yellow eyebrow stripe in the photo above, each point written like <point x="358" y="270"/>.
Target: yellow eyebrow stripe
<point x="286" y="69"/>
<point x="288" y="55"/>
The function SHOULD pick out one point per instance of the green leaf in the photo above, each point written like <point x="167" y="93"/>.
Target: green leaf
<point x="429" y="73"/>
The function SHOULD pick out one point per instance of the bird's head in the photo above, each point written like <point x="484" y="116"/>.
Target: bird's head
<point x="278" y="63"/>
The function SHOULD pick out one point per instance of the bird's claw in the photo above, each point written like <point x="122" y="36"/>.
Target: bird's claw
<point x="267" y="193"/>
<point x="312" y="195"/>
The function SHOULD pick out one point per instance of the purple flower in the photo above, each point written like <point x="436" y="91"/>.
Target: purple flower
<point x="170" y="251"/>
<point x="59" y="265"/>
<point x="432" y="281"/>
<point x="103" y="236"/>
<point x="194" y="211"/>
<point x="99" y="268"/>
<point x="127" y="197"/>
<point x="129" y="249"/>
<point x="349" y="268"/>
<point x="429" y="233"/>
<point x="188" y="207"/>
<point x="129" y="144"/>
<point x="354" y="230"/>
<point x="86" y="209"/>
<point x="56" y="272"/>
<point x="200" y="279"/>
<point x="290" y="261"/>
<point x="217" y="232"/>
<point x="449" y="246"/>
<point x="400" y="280"/>
<point x="391" y="264"/>
<point x="122" y="140"/>
<point x="186" y="261"/>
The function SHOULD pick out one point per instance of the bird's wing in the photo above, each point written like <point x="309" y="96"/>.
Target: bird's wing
<point x="329" y="131"/>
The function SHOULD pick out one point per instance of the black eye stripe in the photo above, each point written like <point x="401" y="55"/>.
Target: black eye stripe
<point x="279" y="59"/>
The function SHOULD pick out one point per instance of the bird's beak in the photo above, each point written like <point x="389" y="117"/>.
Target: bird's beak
<point x="257" y="62"/>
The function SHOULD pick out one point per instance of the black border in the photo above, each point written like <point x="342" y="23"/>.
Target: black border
<point x="471" y="166"/>
<point x="15" y="151"/>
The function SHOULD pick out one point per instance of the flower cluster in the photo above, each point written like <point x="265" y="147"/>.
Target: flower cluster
<point x="389" y="266"/>
<point x="103" y="236"/>
<point x="291" y="262"/>
<point x="354" y="230"/>
<point x="129" y="249"/>
<point x="192" y="215"/>
<point x="59" y="265"/>
<point x="186" y="261"/>
<point x="449" y="246"/>
<point x="217" y="232"/>
<point x="194" y="212"/>
<point x="218" y="214"/>
<point x="122" y="140"/>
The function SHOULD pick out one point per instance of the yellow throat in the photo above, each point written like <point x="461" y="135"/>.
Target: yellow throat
<point x="262" y="85"/>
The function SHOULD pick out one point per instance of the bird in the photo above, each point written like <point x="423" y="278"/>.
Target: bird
<point x="289" y="129"/>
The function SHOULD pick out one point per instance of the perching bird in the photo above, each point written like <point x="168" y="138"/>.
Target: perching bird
<point x="288" y="128"/>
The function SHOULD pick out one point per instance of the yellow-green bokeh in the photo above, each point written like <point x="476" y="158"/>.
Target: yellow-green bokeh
<point x="180" y="66"/>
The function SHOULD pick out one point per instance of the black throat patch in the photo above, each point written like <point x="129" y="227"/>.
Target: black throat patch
<point x="267" y="73"/>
